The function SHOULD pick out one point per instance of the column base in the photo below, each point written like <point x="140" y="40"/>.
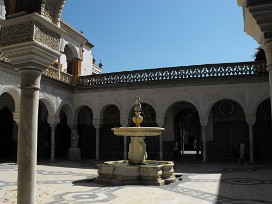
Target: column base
<point x="74" y="154"/>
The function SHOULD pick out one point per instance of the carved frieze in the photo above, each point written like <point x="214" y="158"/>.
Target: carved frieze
<point x="51" y="10"/>
<point x="46" y="37"/>
<point x="48" y="9"/>
<point x="17" y="34"/>
<point x="30" y="31"/>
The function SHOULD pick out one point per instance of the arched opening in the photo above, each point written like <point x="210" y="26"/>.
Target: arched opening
<point x="262" y="131"/>
<point x="44" y="131"/>
<point x="229" y="129"/>
<point x="152" y="143"/>
<point x="63" y="136"/>
<point x="73" y="63"/>
<point x="187" y="131"/>
<point x="86" y="130"/>
<point x="8" y="128"/>
<point x="110" y="145"/>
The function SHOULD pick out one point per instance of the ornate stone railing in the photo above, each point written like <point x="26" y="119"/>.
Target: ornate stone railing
<point x="175" y="73"/>
<point x="62" y="76"/>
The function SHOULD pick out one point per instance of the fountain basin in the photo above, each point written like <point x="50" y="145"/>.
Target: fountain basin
<point x="123" y="173"/>
<point x="138" y="131"/>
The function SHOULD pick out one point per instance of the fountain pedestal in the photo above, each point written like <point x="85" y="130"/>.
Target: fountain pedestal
<point x="137" y="150"/>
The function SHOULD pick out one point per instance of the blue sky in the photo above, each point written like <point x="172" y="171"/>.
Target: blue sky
<point x="144" y="34"/>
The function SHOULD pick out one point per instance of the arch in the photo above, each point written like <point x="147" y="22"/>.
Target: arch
<point x="7" y="101"/>
<point x="8" y="128"/>
<point x="80" y="106"/>
<point x="110" y="145"/>
<point x="104" y="107"/>
<point x="227" y="128"/>
<point x="262" y="131"/>
<point x="233" y="98"/>
<point x="175" y="133"/>
<point x="63" y="133"/>
<point x="180" y="98"/>
<point x="14" y="92"/>
<point x="70" y="51"/>
<point x="48" y="103"/>
<point x="44" y="133"/>
<point x="87" y="132"/>
<point x="67" y="108"/>
<point x="7" y="145"/>
<point x="259" y="101"/>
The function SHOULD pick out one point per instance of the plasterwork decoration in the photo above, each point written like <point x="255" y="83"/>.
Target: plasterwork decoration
<point x="51" y="10"/>
<point x="17" y="34"/>
<point x="3" y="57"/>
<point x="46" y="37"/>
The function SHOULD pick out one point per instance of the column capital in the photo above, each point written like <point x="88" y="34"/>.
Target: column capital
<point x="160" y="121"/>
<point x="16" y="117"/>
<point x="96" y="123"/>
<point x="124" y="122"/>
<point x="250" y="119"/>
<point x="203" y="120"/>
<point x="53" y="121"/>
<point x="72" y="124"/>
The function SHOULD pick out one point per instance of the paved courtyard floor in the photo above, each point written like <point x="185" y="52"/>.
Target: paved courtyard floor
<point x="72" y="182"/>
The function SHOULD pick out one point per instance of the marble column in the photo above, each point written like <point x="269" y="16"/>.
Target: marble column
<point x="53" y="121"/>
<point x="251" y="119"/>
<point x="53" y="127"/>
<point x="204" y="137"/>
<point x="204" y="122"/>
<point x="267" y="47"/>
<point x="96" y="124"/>
<point x="251" y="144"/>
<point x="31" y="42"/>
<point x="27" y="142"/>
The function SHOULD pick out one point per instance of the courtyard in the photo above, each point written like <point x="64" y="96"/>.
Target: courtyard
<point x="73" y="182"/>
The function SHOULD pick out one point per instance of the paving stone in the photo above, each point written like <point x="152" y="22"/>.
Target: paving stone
<point x="72" y="182"/>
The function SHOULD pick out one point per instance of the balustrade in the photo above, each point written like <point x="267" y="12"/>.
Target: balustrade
<point x="175" y="73"/>
<point x="61" y="76"/>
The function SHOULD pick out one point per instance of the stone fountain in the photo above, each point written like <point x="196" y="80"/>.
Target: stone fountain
<point x="137" y="169"/>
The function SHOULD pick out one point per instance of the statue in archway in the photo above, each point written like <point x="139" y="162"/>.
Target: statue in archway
<point x="74" y="138"/>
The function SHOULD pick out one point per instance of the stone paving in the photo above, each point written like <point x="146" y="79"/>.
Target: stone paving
<point x="73" y="182"/>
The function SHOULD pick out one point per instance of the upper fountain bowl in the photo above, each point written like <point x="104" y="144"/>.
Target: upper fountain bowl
<point x="138" y="131"/>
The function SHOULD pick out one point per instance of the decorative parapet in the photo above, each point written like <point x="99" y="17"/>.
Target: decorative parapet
<point x="61" y="76"/>
<point x="71" y="27"/>
<point x="96" y="69"/>
<point x="175" y="73"/>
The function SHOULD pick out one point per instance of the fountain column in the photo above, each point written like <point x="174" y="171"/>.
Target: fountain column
<point x="160" y="123"/>
<point x="250" y="121"/>
<point x="204" y="122"/>
<point x="96" y="124"/>
<point x="53" y="121"/>
<point x="31" y="42"/>
<point x="124" y="124"/>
